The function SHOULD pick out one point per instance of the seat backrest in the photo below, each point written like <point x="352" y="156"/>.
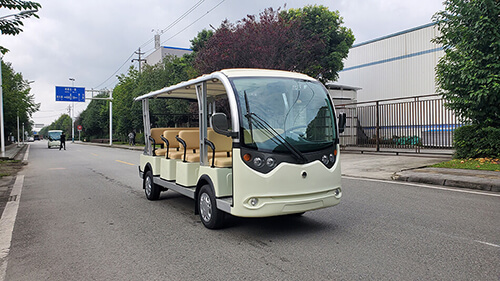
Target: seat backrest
<point x="156" y="133"/>
<point x="222" y="143"/>
<point x="191" y="137"/>
<point x="171" y="133"/>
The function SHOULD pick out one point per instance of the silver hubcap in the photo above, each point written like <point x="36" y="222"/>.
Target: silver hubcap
<point x="205" y="207"/>
<point x="148" y="186"/>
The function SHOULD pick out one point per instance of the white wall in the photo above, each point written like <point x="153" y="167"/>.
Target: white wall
<point x="157" y="55"/>
<point x="398" y="65"/>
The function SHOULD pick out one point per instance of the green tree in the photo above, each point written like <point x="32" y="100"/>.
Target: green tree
<point x="11" y="25"/>
<point x="17" y="101"/>
<point x="62" y="123"/>
<point x="200" y="40"/>
<point x="95" y="118"/>
<point x="127" y="114"/>
<point x="327" y="26"/>
<point x="468" y="75"/>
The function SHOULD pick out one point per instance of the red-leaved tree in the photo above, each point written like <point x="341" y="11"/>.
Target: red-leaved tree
<point x="267" y="42"/>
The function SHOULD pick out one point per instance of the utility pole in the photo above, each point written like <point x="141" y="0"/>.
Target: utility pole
<point x="71" y="115"/>
<point x="139" y="59"/>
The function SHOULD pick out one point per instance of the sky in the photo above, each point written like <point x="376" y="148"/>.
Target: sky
<point x="92" y="41"/>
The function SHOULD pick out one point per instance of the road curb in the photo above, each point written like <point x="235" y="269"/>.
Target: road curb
<point x="127" y="147"/>
<point x="475" y="181"/>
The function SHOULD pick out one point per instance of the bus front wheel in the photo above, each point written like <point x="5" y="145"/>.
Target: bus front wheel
<point x="210" y="216"/>
<point x="151" y="189"/>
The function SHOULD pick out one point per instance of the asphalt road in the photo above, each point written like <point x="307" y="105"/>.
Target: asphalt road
<point x="83" y="216"/>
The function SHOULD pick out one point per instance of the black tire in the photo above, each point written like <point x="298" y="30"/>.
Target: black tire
<point x="151" y="189"/>
<point x="210" y="216"/>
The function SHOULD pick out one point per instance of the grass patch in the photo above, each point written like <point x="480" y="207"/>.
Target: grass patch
<point x="487" y="164"/>
<point x="126" y="143"/>
<point x="9" y="167"/>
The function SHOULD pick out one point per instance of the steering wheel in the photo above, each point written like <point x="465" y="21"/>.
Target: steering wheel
<point x="299" y="133"/>
<point x="296" y="127"/>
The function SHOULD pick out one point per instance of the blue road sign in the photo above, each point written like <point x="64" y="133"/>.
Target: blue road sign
<point x="76" y="94"/>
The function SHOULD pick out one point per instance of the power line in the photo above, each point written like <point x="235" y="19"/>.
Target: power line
<point x="149" y="41"/>
<point x="113" y="75"/>
<point x="195" y="21"/>
<point x="162" y="32"/>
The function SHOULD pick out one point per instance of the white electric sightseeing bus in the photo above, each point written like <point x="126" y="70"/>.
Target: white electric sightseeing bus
<point x="275" y="153"/>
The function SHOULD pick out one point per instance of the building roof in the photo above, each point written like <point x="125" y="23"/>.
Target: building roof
<point x="393" y="35"/>
<point x="333" y="86"/>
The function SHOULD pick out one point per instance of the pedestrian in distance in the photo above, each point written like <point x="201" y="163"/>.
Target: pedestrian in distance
<point x="63" y="141"/>
<point x="131" y="138"/>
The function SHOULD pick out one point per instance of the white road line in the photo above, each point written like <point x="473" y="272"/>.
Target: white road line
<point x="7" y="222"/>
<point x="457" y="189"/>
<point x="486" y="243"/>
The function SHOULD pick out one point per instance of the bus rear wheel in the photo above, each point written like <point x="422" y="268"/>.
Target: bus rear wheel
<point x="151" y="189"/>
<point x="210" y="216"/>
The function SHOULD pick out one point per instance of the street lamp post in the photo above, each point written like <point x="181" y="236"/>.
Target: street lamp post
<point x="72" y="113"/>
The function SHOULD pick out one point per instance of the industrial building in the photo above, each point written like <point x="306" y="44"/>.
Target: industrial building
<point x="161" y="52"/>
<point x="391" y="102"/>
<point x="394" y="66"/>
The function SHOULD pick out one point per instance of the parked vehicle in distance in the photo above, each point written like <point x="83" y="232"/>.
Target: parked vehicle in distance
<point x="275" y="153"/>
<point x="54" y="138"/>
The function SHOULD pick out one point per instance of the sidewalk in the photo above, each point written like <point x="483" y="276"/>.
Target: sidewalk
<point x="413" y="168"/>
<point x="11" y="151"/>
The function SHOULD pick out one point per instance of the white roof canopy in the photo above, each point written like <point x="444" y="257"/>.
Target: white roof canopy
<point x="187" y="89"/>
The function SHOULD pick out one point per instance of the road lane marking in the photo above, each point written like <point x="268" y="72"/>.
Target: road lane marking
<point x="457" y="189"/>
<point x="7" y="222"/>
<point x="123" y="162"/>
<point x="94" y="154"/>
<point x="486" y="243"/>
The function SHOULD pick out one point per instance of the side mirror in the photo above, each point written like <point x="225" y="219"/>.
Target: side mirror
<point x="220" y="124"/>
<point x="342" y="122"/>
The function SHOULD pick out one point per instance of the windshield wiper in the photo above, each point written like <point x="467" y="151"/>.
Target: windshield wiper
<point x="277" y="137"/>
<point x="248" y="115"/>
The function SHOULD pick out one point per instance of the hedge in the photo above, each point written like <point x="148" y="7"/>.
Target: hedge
<point x="473" y="141"/>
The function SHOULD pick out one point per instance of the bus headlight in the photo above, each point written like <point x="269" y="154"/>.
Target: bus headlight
<point x="337" y="192"/>
<point x="332" y="158"/>
<point x="271" y="162"/>
<point x="258" y="162"/>
<point x="324" y="159"/>
<point x="253" y="201"/>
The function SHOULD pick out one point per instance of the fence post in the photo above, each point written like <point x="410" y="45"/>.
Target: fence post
<point x="377" y="126"/>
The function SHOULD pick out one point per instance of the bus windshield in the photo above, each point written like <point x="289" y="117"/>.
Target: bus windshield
<point x="284" y="114"/>
<point x="55" y="135"/>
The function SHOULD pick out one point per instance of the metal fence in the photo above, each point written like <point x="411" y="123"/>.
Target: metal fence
<point x="420" y="124"/>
